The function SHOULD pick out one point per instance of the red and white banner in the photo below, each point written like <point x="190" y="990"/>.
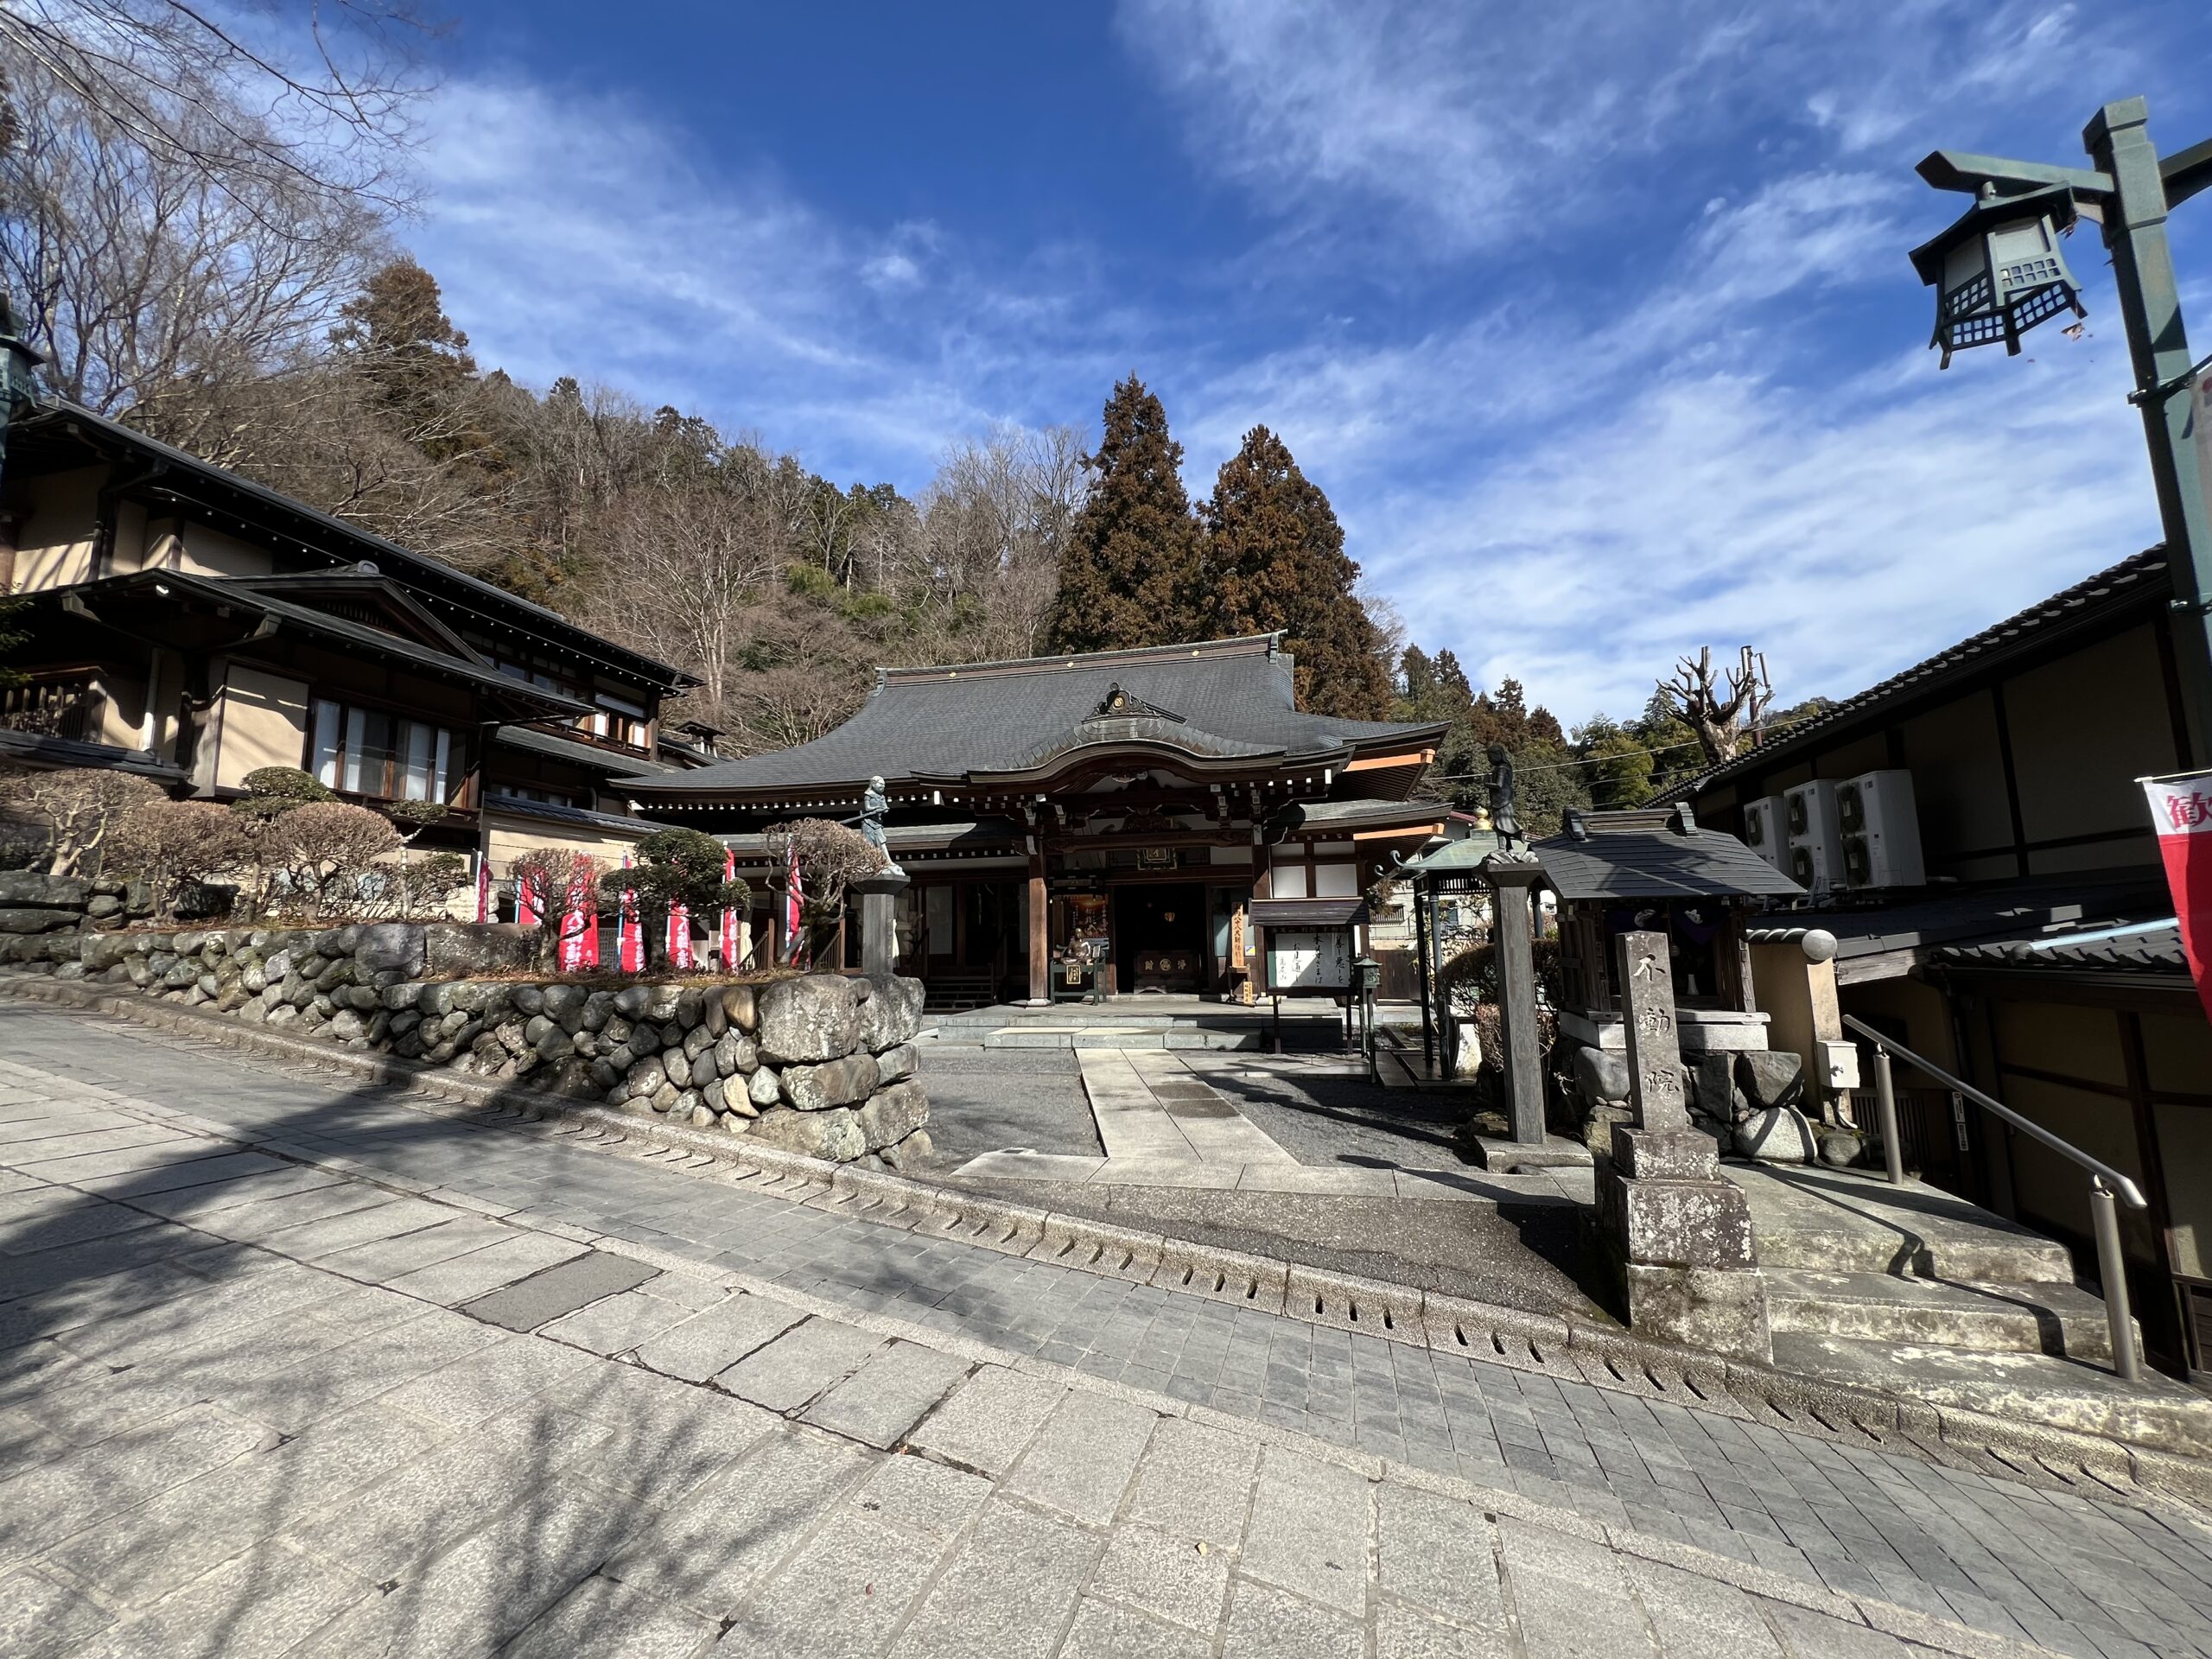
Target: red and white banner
<point x="484" y="911"/>
<point x="629" y="934"/>
<point x="792" y="910"/>
<point x="579" y="929"/>
<point x="729" y="917"/>
<point x="2181" y="813"/>
<point x="679" y="938"/>
<point x="528" y="910"/>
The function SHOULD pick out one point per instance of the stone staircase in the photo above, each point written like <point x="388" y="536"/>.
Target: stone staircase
<point x="1136" y="1022"/>
<point x="1913" y="1292"/>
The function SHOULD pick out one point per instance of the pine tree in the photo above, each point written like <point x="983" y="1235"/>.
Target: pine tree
<point x="1274" y="559"/>
<point x="398" y="338"/>
<point x="1129" y="575"/>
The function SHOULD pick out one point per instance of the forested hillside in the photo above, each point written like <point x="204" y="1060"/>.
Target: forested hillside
<point x="205" y="242"/>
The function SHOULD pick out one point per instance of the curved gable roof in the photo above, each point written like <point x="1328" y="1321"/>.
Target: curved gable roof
<point x="1220" y="700"/>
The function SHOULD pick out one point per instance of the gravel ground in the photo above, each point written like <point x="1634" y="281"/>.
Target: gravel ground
<point x="1319" y="1118"/>
<point x="1528" y="1255"/>
<point x="990" y="1101"/>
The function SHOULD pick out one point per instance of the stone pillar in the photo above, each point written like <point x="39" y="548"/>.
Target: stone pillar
<point x="879" y="895"/>
<point x="1655" y="1053"/>
<point x="1512" y="877"/>
<point x="1676" y="1232"/>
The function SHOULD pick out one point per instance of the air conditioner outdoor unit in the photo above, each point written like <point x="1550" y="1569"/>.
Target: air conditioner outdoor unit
<point x="1764" y="831"/>
<point x="1815" y="847"/>
<point x="1881" y="830"/>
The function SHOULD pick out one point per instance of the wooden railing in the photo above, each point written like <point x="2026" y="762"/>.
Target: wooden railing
<point x="68" y="708"/>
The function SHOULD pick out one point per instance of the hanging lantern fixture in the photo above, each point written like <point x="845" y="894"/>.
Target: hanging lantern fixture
<point x="1998" y="271"/>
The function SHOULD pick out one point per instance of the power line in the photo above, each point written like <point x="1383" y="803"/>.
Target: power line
<point x="1562" y="765"/>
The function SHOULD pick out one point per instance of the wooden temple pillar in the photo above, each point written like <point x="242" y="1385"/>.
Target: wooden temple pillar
<point x="1731" y="963"/>
<point x="1041" y="929"/>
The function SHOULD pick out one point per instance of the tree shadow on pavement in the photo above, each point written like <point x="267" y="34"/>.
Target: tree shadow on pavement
<point x="240" y="1450"/>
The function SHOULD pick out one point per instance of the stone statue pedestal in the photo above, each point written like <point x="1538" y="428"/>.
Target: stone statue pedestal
<point x="1676" y="1231"/>
<point x="1678" y="1244"/>
<point x="879" y="896"/>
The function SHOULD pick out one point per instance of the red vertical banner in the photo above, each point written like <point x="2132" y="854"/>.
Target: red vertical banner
<point x="679" y="938"/>
<point x="528" y="910"/>
<point x="2181" y="813"/>
<point x="484" y="911"/>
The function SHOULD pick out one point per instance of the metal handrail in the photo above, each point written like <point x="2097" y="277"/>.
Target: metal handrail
<point x="2132" y="1194"/>
<point x="2105" y="1181"/>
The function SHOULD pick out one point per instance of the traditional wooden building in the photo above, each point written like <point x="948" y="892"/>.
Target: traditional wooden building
<point x="1983" y="856"/>
<point x="188" y="624"/>
<point x="1103" y="820"/>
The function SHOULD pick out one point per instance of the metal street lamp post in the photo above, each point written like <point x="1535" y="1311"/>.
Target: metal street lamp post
<point x="1997" y="272"/>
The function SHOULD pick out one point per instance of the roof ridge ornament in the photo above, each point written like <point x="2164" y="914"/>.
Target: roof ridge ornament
<point x="1118" y="704"/>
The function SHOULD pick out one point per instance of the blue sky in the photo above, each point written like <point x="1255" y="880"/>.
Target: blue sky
<point x="1593" y="320"/>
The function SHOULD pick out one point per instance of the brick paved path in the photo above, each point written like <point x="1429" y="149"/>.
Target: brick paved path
<point x="250" y="1403"/>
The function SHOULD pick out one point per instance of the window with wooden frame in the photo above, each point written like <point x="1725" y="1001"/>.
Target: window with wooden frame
<point x="382" y="756"/>
<point x="619" y="720"/>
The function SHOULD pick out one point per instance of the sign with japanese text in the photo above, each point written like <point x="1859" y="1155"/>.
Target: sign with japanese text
<point x="1654" y="1055"/>
<point x="2180" y="813"/>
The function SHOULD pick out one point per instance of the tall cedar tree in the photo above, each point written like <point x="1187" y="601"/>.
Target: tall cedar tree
<point x="1275" y="558"/>
<point x="1130" y="574"/>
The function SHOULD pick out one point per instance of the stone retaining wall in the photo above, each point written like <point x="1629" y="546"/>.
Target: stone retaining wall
<point x="820" y="1065"/>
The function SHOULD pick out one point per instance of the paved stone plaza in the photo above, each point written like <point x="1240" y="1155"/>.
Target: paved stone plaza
<point x="291" y="1365"/>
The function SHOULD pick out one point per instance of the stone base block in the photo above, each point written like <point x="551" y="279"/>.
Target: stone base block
<point x="1779" y="1134"/>
<point x="1667" y="1154"/>
<point x="1513" y="1158"/>
<point x="1679" y="1223"/>
<point x="1714" y="1311"/>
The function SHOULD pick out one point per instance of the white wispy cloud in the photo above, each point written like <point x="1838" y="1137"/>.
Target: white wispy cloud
<point x="584" y="238"/>
<point x="1453" y="129"/>
<point x="1569" y="481"/>
<point x="1576" y="481"/>
<point x="1846" y="532"/>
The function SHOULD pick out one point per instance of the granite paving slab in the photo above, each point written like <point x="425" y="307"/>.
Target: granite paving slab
<point x="1484" y="1498"/>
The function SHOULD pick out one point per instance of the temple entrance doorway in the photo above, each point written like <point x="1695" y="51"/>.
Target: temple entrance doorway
<point x="1160" y="937"/>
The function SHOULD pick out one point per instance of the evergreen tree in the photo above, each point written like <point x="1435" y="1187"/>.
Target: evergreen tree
<point x="1129" y="575"/>
<point x="1274" y="559"/>
<point x="398" y="338"/>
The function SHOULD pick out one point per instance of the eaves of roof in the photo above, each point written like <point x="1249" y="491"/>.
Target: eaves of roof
<point x="85" y="597"/>
<point x="2140" y="581"/>
<point x="1358" y="814"/>
<point x="1972" y="915"/>
<point x="61" y="412"/>
<point x="45" y="750"/>
<point x="576" y="754"/>
<point x="950" y="835"/>
<point x="2153" y="948"/>
<point x="514" y="806"/>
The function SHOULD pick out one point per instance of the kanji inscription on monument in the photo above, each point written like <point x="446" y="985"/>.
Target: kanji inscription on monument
<point x="1654" y="1055"/>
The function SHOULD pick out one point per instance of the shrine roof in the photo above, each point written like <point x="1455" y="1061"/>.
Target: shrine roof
<point x="1221" y="703"/>
<point x="1625" y="855"/>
